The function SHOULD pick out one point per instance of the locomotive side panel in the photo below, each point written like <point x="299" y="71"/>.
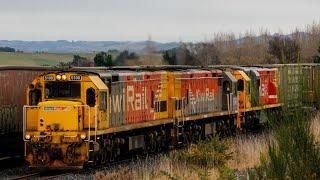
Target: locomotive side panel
<point x="155" y="85"/>
<point x="200" y="91"/>
<point x="139" y="97"/>
<point x="268" y="86"/>
<point x="118" y="99"/>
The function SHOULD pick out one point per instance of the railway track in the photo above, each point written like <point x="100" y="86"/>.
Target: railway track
<point x="27" y="176"/>
<point x="46" y="175"/>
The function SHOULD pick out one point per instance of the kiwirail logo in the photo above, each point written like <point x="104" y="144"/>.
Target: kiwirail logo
<point x="56" y="108"/>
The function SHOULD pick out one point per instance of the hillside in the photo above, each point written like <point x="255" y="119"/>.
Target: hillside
<point x="63" y="46"/>
<point x="36" y="58"/>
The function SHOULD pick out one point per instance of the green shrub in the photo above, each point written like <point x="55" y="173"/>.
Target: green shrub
<point x="206" y="155"/>
<point x="294" y="153"/>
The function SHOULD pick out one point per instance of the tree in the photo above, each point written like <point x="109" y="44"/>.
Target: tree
<point x="184" y="56"/>
<point x="201" y="54"/>
<point x="170" y="56"/>
<point x="80" y="61"/>
<point x="316" y="58"/>
<point x="285" y="49"/>
<point x="103" y="59"/>
<point x="125" y="55"/>
<point x="7" y="49"/>
<point x="205" y="54"/>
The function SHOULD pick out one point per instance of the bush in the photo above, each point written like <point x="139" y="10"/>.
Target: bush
<point x="294" y="153"/>
<point x="207" y="154"/>
<point x="103" y="59"/>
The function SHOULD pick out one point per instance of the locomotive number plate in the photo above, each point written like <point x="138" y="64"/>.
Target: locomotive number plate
<point x="48" y="78"/>
<point x="75" y="78"/>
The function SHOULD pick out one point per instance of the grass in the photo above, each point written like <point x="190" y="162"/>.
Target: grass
<point x="18" y="58"/>
<point x="247" y="151"/>
<point x="160" y="167"/>
<point x="198" y="162"/>
<point x="250" y="158"/>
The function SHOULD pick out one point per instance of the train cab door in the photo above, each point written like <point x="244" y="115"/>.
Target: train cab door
<point x="229" y="93"/>
<point x="35" y="95"/>
<point x="104" y="106"/>
<point x="97" y="101"/>
<point x="226" y="88"/>
<point x="90" y="98"/>
<point x="243" y="88"/>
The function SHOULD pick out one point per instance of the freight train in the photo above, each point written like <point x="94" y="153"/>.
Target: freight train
<point x="87" y="116"/>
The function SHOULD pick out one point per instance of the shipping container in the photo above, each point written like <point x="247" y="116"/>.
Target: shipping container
<point x="291" y="80"/>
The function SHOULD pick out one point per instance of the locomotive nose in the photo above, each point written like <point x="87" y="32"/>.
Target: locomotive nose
<point x="59" y="116"/>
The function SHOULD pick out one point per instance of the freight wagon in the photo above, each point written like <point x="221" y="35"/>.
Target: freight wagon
<point x="299" y="84"/>
<point x="14" y="80"/>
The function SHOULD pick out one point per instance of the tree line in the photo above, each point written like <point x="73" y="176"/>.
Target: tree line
<point x="300" y="46"/>
<point x="280" y="49"/>
<point x="102" y="59"/>
<point x="7" y="49"/>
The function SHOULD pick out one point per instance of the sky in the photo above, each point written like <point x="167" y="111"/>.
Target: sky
<point x="163" y="20"/>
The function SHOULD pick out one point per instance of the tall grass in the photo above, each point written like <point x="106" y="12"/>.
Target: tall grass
<point x="247" y="150"/>
<point x="294" y="152"/>
<point x="206" y="155"/>
<point x="206" y="160"/>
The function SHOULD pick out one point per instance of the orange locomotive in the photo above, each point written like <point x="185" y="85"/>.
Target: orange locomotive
<point x="97" y="115"/>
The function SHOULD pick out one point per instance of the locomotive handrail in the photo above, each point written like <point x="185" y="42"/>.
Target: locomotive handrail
<point x="24" y="120"/>
<point x="195" y="78"/>
<point x="95" y="123"/>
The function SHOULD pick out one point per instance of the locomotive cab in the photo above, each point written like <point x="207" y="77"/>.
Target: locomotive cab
<point x="63" y="112"/>
<point x="243" y="88"/>
<point x="229" y="89"/>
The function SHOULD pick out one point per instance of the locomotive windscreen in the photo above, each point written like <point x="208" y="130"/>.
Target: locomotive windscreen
<point x="62" y="90"/>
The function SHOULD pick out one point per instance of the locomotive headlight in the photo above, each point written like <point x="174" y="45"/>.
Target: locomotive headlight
<point x="83" y="135"/>
<point x="58" y="77"/>
<point x="64" y="77"/>
<point x="27" y="136"/>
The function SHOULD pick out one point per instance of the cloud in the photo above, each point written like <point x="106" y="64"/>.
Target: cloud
<point x="166" y="20"/>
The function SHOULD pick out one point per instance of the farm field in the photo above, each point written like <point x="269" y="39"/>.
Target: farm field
<point x="36" y="59"/>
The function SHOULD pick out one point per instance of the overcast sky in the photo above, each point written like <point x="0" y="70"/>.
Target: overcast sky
<point x="134" y="20"/>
